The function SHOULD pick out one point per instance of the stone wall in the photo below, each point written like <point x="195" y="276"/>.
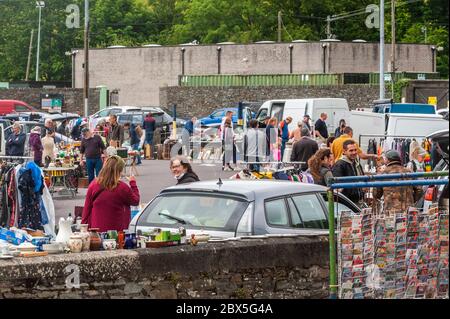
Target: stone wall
<point x="73" y="98"/>
<point x="139" y="72"/>
<point x="272" y="268"/>
<point x="201" y="101"/>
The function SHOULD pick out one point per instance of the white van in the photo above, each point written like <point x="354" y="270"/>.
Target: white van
<point x="368" y="125"/>
<point x="336" y="109"/>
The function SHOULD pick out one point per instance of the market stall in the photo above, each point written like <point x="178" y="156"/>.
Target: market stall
<point x="26" y="205"/>
<point x="62" y="171"/>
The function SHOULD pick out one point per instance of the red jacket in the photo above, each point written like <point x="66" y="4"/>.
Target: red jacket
<point x="110" y="210"/>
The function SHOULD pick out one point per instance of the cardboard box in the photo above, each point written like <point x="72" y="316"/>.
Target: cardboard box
<point x="12" y="237"/>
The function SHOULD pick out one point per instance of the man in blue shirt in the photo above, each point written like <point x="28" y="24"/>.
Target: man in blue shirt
<point x="284" y="126"/>
<point x="189" y="126"/>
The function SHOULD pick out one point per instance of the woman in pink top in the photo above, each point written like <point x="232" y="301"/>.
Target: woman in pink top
<point x="108" y="199"/>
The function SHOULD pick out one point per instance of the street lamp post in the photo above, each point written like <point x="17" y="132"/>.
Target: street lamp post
<point x="39" y="5"/>
<point x="86" y="58"/>
<point x="381" y="49"/>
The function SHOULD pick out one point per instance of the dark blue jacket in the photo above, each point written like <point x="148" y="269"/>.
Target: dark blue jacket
<point x="15" y="144"/>
<point x="189" y="126"/>
<point x="134" y="138"/>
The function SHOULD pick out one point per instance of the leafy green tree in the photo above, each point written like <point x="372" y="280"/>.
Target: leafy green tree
<point x="169" y="22"/>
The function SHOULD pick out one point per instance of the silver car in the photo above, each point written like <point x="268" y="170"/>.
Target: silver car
<point x="235" y="208"/>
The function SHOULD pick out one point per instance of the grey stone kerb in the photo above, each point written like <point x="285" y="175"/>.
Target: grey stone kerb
<point x="211" y="257"/>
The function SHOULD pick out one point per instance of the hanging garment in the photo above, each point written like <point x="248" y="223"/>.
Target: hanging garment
<point x="12" y="194"/>
<point x="281" y="176"/>
<point x="4" y="209"/>
<point x="30" y="213"/>
<point x="36" y="174"/>
<point x="18" y="197"/>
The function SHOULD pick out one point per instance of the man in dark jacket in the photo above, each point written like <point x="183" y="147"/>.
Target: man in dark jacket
<point x="397" y="199"/>
<point x="15" y="143"/>
<point x="115" y="134"/>
<point x="304" y="149"/>
<point x="149" y="127"/>
<point x="92" y="149"/>
<point x="348" y="165"/>
<point x="135" y="141"/>
<point x="321" y="127"/>
<point x="62" y="128"/>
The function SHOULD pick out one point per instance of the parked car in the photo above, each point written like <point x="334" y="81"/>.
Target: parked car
<point x="388" y="106"/>
<point x="6" y="122"/>
<point x="236" y="208"/>
<point x="26" y="116"/>
<point x="138" y="118"/>
<point x="444" y="113"/>
<point x="166" y="117"/>
<point x="14" y="106"/>
<point x="104" y="114"/>
<point x="216" y="117"/>
<point x="438" y="194"/>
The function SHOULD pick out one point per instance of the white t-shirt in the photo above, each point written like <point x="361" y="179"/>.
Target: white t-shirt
<point x="222" y="125"/>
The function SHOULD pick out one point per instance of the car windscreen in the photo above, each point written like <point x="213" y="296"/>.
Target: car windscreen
<point x="130" y="118"/>
<point x="198" y="211"/>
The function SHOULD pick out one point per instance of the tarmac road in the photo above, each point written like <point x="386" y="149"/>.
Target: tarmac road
<point x="153" y="177"/>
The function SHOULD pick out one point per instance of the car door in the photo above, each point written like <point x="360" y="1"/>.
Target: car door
<point x="216" y="117"/>
<point x="277" y="111"/>
<point x="283" y="215"/>
<point x="341" y="204"/>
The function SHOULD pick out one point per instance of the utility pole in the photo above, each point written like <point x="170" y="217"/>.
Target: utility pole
<point x="29" y="56"/>
<point x="393" y="45"/>
<point x="424" y="30"/>
<point x="279" y="26"/>
<point x="328" y="27"/>
<point x="381" y="49"/>
<point x="39" y="5"/>
<point x="86" y="58"/>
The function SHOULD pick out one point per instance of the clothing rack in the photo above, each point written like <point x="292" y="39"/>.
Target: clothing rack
<point x="279" y="164"/>
<point x="15" y="158"/>
<point x="394" y="136"/>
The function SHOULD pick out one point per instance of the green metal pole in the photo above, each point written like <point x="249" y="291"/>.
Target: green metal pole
<point x="332" y="242"/>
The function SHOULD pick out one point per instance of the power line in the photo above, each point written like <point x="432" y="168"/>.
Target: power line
<point x="282" y="22"/>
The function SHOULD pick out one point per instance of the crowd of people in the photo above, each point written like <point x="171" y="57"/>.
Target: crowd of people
<point x="108" y="200"/>
<point x="324" y="156"/>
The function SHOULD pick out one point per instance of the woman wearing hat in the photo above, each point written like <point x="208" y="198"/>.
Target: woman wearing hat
<point x="36" y="145"/>
<point x="416" y="157"/>
<point x="108" y="199"/>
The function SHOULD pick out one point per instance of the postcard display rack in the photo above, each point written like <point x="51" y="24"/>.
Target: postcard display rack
<point x="398" y="256"/>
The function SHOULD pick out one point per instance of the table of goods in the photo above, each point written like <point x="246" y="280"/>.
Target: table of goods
<point x="403" y="255"/>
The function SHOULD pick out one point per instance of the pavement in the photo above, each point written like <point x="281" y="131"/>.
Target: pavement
<point x="154" y="176"/>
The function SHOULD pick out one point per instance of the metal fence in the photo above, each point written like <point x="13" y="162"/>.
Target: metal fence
<point x="222" y="80"/>
<point x="261" y="80"/>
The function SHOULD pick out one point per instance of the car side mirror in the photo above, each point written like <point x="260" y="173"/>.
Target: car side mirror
<point x="211" y="116"/>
